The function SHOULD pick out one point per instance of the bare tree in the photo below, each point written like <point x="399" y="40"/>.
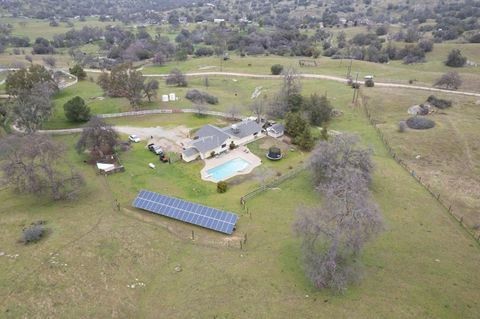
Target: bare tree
<point x="98" y="137"/>
<point x="338" y="154"/>
<point x="233" y="111"/>
<point x="34" y="164"/>
<point x="291" y="82"/>
<point x="258" y="107"/>
<point x="289" y="97"/>
<point x="201" y="109"/>
<point x="50" y="61"/>
<point x="31" y="108"/>
<point x="334" y="234"/>
<point x="150" y="89"/>
<point x="449" y="81"/>
<point x="177" y="78"/>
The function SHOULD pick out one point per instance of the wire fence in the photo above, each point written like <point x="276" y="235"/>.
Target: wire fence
<point x="171" y="111"/>
<point x="437" y="196"/>
<point x="270" y="185"/>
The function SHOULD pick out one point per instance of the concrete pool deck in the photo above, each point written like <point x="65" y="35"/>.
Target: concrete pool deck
<point x="241" y="152"/>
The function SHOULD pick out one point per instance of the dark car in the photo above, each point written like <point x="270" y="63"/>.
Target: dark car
<point x="155" y="149"/>
<point x="164" y="158"/>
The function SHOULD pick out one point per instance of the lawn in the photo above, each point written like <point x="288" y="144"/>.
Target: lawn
<point x="423" y="265"/>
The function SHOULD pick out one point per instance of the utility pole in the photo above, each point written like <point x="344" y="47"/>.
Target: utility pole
<point x="355" y="89"/>
<point x="349" y="72"/>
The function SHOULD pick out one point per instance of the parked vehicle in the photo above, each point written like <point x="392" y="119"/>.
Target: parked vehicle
<point x="134" y="138"/>
<point x="164" y="158"/>
<point x="155" y="149"/>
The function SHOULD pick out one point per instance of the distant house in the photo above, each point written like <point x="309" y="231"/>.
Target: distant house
<point x="218" y="20"/>
<point x="211" y="139"/>
<point x="276" y="130"/>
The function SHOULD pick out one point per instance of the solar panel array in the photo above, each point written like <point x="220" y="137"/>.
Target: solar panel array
<point x="188" y="212"/>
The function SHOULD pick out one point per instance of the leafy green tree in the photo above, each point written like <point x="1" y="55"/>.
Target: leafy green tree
<point x="32" y="107"/>
<point x="294" y="124"/>
<point x="76" y="110"/>
<point x="305" y="139"/>
<point x="98" y="137"/>
<point x="456" y="59"/>
<point x="150" y="89"/>
<point x="318" y="109"/>
<point x="79" y="72"/>
<point x="24" y="79"/>
<point x="123" y="81"/>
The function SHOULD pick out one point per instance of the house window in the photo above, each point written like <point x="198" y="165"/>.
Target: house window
<point x="224" y="145"/>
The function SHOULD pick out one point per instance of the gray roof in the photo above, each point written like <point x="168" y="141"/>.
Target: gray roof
<point x="245" y="128"/>
<point x="208" y="138"/>
<point x="277" y="128"/>
<point x="209" y="143"/>
<point x="190" y="151"/>
<point x="210" y="130"/>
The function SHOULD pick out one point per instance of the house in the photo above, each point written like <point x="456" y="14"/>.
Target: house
<point x="276" y="130"/>
<point x="218" y="20"/>
<point x="210" y="139"/>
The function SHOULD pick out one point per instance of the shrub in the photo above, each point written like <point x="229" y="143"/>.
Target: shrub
<point x="79" y="72"/>
<point x="369" y="83"/>
<point x="197" y="96"/>
<point x="439" y="103"/>
<point x="176" y="78"/>
<point x="456" y="59"/>
<point x="449" y="81"/>
<point x="222" y="187"/>
<point x="277" y="69"/>
<point x="32" y="234"/>
<point x="232" y="145"/>
<point x="402" y="126"/>
<point x="420" y="123"/>
<point x="76" y="110"/>
<point x="204" y="52"/>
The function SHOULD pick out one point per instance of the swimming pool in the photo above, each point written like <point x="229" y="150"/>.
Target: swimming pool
<point x="227" y="169"/>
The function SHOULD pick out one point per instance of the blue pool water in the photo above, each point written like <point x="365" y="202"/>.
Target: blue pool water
<point x="227" y="169"/>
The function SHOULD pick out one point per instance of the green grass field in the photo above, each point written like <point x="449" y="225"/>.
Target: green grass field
<point x="422" y="74"/>
<point x="423" y="266"/>
<point x="98" y="262"/>
<point x="448" y="155"/>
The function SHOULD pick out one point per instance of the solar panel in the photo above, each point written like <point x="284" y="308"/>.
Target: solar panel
<point x="188" y="212"/>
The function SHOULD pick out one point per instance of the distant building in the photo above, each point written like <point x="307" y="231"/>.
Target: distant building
<point x="218" y="20"/>
<point x="212" y="139"/>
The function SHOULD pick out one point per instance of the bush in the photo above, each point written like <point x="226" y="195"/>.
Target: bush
<point x="402" y="126"/>
<point x="197" y="96"/>
<point x="76" y="110"/>
<point x="176" y="78"/>
<point x="32" y="234"/>
<point x="204" y="52"/>
<point x="420" y="123"/>
<point x="222" y="187"/>
<point x="456" y="59"/>
<point x="277" y="69"/>
<point x="79" y="72"/>
<point x="439" y="103"/>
